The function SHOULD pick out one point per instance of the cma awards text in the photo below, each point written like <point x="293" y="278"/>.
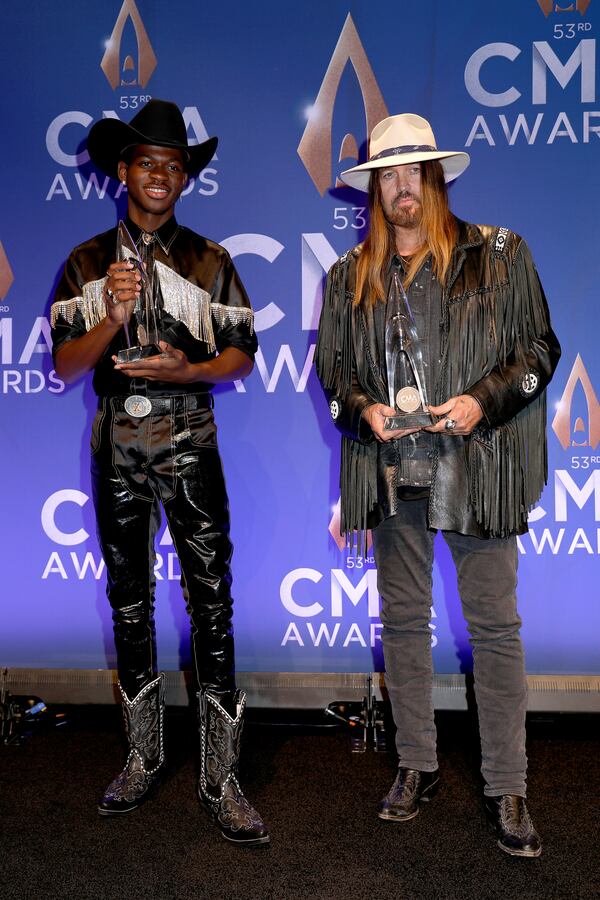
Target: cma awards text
<point x="534" y="126"/>
<point x="26" y="380"/>
<point x="65" y="135"/>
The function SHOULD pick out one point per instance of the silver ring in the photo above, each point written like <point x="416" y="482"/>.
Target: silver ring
<point x="450" y="424"/>
<point x="111" y="296"/>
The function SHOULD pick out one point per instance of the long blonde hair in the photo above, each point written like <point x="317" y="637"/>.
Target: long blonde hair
<point x="438" y="225"/>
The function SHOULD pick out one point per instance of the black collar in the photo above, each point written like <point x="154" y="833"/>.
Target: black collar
<point x="164" y="236"/>
<point x="468" y="235"/>
<point x="399" y="262"/>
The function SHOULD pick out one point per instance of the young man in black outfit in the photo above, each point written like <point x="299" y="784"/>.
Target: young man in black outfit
<point x="154" y="442"/>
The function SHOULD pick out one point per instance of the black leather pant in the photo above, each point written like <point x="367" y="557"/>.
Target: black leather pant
<point x="169" y="458"/>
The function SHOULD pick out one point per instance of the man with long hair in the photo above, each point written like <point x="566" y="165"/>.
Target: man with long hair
<point x="486" y="354"/>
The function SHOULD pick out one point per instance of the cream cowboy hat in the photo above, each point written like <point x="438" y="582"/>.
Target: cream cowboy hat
<point x="401" y="140"/>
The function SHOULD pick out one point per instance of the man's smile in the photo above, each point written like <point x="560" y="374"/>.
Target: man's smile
<point x="156" y="191"/>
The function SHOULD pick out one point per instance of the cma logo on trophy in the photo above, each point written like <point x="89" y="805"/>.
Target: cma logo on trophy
<point x="575" y="433"/>
<point x="551" y="6"/>
<point x="315" y="148"/>
<point x="128" y="74"/>
<point x="6" y="276"/>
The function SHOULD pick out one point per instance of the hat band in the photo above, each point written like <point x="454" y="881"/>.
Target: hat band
<point x="406" y="148"/>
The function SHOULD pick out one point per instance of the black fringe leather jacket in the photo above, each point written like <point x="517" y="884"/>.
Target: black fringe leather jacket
<point x="497" y="345"/>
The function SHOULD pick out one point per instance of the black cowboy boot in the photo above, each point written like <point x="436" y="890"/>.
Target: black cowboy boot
<point x="144" y="731"/>
<point x="510" y="820"/>
<point x="218" y="788"/>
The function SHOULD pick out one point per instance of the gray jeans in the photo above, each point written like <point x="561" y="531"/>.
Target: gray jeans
<point x="487" y="579"/>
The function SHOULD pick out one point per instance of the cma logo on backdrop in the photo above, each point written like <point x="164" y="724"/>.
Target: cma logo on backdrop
<point x="131" y="72"/>
<point x="21" y="380"/>
<point x="127" y="70"/>
<point x="576" y="424"/>
<point x="57" y="510"/>
<point x="551" y="6"/>
<point x="556" y="66"/>
<point x="575" y="431"/>
<point x="315" y="147"/>
<point x="6" y="276"/>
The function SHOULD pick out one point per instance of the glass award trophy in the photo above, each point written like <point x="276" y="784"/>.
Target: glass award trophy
<point x="404" y="364"/>
<point x="146" y="312"/>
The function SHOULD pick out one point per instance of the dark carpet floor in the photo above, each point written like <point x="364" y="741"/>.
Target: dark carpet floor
<point x="319" y="801"/>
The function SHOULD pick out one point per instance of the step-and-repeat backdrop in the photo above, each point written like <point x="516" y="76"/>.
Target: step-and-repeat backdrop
<point x="292" y="90"/>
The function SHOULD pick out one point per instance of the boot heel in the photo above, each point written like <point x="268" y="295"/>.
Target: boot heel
<point x="430" y="792"/>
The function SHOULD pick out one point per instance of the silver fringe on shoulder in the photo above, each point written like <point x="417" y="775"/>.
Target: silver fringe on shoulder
<point x="185" y="301"/>
<point x="90" y="305"/>
<point x="232" y="315"/>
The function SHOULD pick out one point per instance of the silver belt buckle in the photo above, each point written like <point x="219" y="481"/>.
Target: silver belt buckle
<point x="138" y="406"/>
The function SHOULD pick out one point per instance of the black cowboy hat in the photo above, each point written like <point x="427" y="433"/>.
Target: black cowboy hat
<point x="158" y="123"/>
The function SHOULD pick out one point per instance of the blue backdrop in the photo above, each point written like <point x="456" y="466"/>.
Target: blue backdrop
<point x="292" y="91"/>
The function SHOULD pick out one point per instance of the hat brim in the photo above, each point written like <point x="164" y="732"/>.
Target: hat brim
<point x="453" y="163"/>
<point x="108" y="138"/>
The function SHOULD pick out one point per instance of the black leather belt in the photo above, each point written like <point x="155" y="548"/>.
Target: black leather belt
<point x="162" y="406"/>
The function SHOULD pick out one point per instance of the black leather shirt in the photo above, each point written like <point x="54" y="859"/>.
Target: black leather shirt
<point x="416" y="450"/>
<point x="204" y="307"/>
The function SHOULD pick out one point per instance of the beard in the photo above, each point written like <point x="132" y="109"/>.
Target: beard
<point x="405" y="216"/>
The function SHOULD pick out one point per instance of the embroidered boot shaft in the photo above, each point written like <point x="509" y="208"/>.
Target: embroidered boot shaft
<point x="143" y="718"/>
<point x="218" y="787"/>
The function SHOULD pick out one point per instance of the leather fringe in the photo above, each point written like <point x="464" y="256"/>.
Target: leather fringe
<point x="333" y="354"/>
<point x="503" y="321"/>
<point x="508" y="465"/>
<point x="508" y="468"/>
<point x="334" y="361"/>
<point x="358" y="484"/>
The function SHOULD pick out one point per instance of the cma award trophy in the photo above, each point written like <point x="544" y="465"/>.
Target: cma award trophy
<point x="147" y="315"/>
<point x="404" y="364"/>
<point x="146" y="312"/>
